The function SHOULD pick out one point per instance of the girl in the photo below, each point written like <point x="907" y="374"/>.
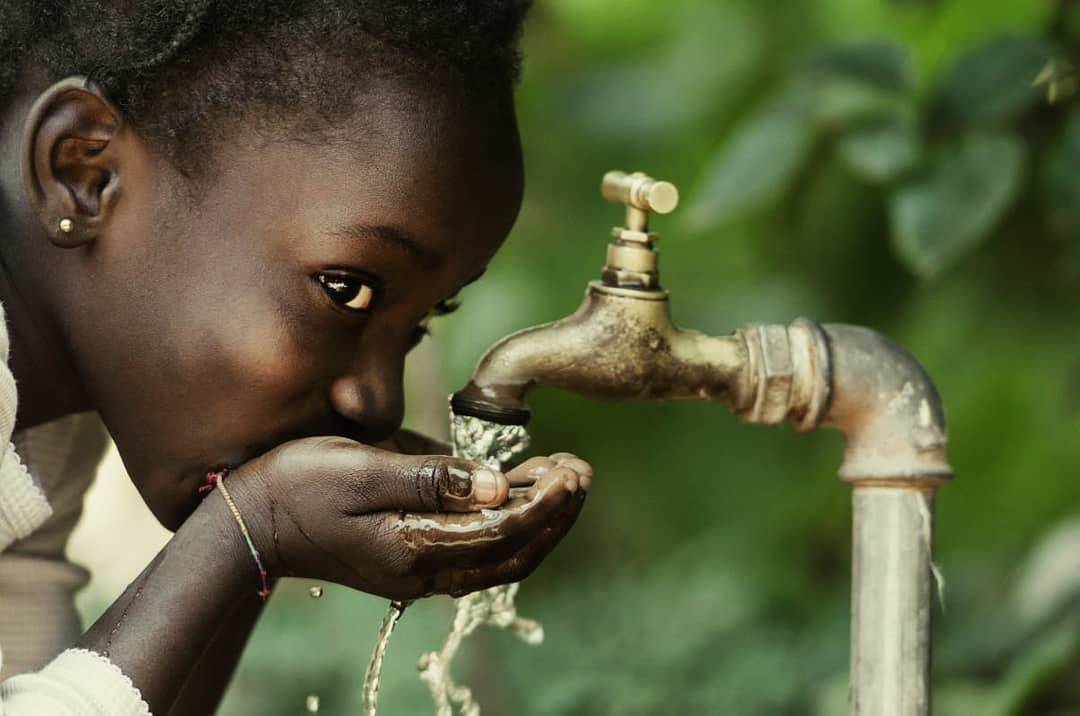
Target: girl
<point x="224" y="224"/>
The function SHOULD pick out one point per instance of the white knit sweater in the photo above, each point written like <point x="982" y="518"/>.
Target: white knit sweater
<point x="77" y="682"/>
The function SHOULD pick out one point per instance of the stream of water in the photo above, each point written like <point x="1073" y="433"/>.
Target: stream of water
<point x="493" y="445"/>
<point x="373" y="673"/>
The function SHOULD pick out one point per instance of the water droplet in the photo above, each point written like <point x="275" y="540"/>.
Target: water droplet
<point x="315" y="593"/>
<point x="312" y="703"/>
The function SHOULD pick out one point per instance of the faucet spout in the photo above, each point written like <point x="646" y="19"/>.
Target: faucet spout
<point x="621" y="344"/>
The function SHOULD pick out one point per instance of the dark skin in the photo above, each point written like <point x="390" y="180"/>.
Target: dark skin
<point x="229" y="322"/>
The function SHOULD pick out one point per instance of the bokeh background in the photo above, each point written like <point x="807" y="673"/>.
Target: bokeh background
<point x="910" y="165"/>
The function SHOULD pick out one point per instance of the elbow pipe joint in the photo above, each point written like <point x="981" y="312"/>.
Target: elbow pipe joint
<point x="857" y="381"/>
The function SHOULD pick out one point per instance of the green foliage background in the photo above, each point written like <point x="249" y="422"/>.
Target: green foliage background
<point x="884" y="163"/>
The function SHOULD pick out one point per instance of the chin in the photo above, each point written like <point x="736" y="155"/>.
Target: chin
<point x="171" y="500"/>
<point x="171" y="515"/>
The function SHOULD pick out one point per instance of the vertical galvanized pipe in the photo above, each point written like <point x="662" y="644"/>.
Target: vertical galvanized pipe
<point x="876" y="393"/>
<point x="891" y="600"/>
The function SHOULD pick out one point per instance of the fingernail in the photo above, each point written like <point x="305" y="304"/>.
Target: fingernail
<point x="485" y="486"/>
<point x="459" y="482"/>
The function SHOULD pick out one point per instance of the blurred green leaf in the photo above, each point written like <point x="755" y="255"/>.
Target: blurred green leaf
<point x="614" y="25"/>
<point x="1069" y="17"/>
<point x="1061" y="181"/>
<point x="1049" y="581"/>
<point x="881" y="150"/>
<point x="995" y="82"/>
<point x="857" y="81"/>
<point x="957" y="202"/>
<point x="883" y="65"/>
<point x="759" y="162"/>
<point x="841" y="102"/>
<point x="961" y="698"/>
<point x="1035" y="669"/>
<point x="1059" y="77"/>
<point x="672" y="86"/>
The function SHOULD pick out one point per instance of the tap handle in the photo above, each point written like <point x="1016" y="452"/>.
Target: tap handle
<point x="640" y="191"/>
<point x="631" y="259"/>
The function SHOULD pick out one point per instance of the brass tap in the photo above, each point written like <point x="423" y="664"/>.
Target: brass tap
<point x="621" y="344"/>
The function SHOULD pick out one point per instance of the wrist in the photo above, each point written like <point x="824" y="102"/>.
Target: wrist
<point x="160" y="627"/>
<point x="214" y="527"/>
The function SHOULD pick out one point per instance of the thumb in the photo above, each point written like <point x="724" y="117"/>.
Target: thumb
<point x="378" y="481"/>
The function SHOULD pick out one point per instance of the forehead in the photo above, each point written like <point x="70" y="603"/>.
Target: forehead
<point x="435" y="164"/>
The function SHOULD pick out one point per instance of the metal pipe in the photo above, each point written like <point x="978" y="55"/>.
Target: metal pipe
<point x="890" y="600"/>
<point x="887" y="408"/>
<point x="895" y="458"/>
<point x="844" y="377"/>
<point x="872" y="390"/>
<point x="622" y="345"/>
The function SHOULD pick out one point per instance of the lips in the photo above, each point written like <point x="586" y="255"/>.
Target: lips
<point x="205" y="484"/>
<point x="212" y="477"/>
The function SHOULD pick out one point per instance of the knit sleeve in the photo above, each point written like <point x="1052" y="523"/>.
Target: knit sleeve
<point x="23" y="506"/>
<point x="76" y="683"/>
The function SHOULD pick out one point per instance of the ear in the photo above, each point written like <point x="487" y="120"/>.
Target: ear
<point x="70" y="161"/>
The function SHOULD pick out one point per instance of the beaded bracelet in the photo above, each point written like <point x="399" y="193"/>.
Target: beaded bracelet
<point x="217" y="479"/>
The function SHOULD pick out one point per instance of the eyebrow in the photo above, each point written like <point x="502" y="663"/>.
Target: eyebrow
<point x="427" y="258"/>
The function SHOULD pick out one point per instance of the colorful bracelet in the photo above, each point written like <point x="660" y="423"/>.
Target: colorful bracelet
<point x="217" y="479"/>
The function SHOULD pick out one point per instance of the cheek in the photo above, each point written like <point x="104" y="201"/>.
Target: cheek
<point x="251" y="351"/>
<point x="207" y="376"/>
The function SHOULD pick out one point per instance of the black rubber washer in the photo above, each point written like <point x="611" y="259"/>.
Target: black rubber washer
<point x="492" y="412"/>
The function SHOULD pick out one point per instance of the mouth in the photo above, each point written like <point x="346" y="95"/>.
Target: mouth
<point x="212" y="478"/>
<point x="172" y="508"/>
<point x="206" y="478"/>
<point x="209" y="474"/>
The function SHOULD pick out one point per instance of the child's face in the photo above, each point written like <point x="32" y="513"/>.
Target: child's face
<point x="210" y="331"/>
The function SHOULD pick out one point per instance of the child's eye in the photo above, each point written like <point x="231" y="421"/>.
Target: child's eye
<point x="349" y="291"/>
<point x="422" y="330"/>
<point x="419" y="334"/>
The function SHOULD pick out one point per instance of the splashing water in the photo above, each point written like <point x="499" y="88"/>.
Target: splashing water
<point x="373" y="674"/>
<point x="493" y="606"/>
<point x="493" y="445"/>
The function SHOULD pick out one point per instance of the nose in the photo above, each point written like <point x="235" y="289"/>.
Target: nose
<point x="371" y="400"/>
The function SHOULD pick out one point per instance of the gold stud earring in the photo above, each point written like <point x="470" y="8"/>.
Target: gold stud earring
<point x="66" y="225"/>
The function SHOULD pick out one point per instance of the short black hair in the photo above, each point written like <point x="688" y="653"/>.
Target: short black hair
<point x="171" y="66"/>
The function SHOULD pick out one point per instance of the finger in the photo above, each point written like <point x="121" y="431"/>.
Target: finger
<point x="527" y="473"/>
<point x="581" y="467"/>
<point x="574" y="462"/>
<point x="556" y="476"/>
<point x="478" y="538"/>
<point x="514" y="568"/>
<point x="378" y="480"/>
